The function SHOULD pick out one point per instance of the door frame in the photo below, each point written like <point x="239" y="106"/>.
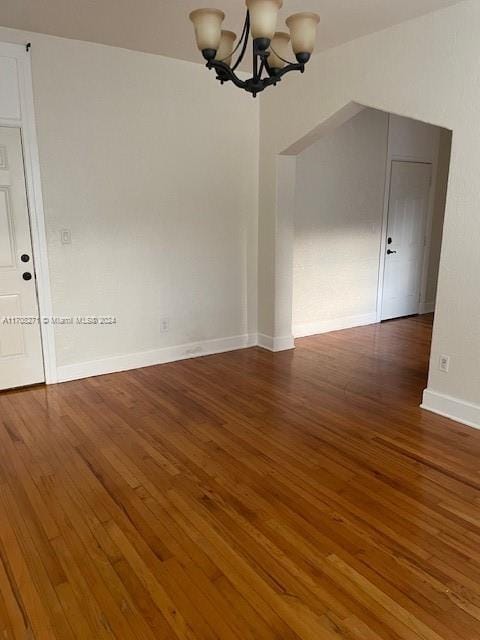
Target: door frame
<point x="428" y="226"/>
<point x="26" y="124"/>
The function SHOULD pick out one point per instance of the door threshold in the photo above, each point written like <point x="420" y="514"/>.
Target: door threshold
<point x="412" y="315"/>
<point x="26" y="387"/>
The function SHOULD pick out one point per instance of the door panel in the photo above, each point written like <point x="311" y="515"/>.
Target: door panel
<point x="407" y="216"/>
<point x="21" y="361"/>
<point x="7" y="238"/>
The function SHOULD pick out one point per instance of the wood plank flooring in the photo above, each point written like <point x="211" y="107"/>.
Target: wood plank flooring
<point x="249" y="495"/>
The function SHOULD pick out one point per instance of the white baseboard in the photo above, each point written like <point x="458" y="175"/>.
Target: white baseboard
<point x="453" y="408"/>
<point x="426" y="307"/>
<point x="275" y="344"/>
<point x="303" y="330"/>
<point x="151" y="358"/>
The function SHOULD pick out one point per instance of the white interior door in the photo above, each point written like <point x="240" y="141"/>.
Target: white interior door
<point x="407" y="216"/>
<point x="21" y="359"/>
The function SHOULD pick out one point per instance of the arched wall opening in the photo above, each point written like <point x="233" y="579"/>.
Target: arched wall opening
<point x="367" y="290"/>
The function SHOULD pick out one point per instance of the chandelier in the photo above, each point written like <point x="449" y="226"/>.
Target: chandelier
<point x="270" y="47"/>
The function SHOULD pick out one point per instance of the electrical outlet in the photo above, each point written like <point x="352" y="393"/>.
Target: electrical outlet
<point x="164" y="325"/>
<point x="444" y="363"/>
<point x="66" y="236"/>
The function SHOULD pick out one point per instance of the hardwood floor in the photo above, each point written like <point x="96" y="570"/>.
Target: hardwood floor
<point x="250" y="495"/>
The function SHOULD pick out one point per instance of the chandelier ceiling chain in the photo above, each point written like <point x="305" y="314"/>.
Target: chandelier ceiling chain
<point x="270" y="47"/>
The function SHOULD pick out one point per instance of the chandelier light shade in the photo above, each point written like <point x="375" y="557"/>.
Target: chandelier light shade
<point x="226" y="46"/>
<point x="271" y="50"/>
<point x="263" y="17"/>
<point x="208" y="28"/>
<point x="303" y="31"/>
<point x="279" y="50"/>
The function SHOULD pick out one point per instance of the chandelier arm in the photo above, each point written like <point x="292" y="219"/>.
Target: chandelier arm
<point x="225" y="73"/>
<point x="282" y="59"/>
<point x="256" y="76"/>
<point x="259" y="55"/>
<point x="253" y="85"/>
<point x="243" y="40"/>
<point x="294" y="66"/>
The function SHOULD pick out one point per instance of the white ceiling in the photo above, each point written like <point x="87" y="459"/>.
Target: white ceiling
<point x="162" y="26"/>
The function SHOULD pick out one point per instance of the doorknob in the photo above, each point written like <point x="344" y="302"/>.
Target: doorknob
<point x="389" y="252"/>
<point x="27" y="276"/>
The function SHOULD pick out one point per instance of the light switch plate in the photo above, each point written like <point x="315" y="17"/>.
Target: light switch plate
<point x="444" y="363"/>
<point x="65" y="236"/>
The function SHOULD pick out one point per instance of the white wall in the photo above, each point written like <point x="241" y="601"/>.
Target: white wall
<point x="338" y="223"/>
<point x="154" y="168"/>
<point x="339" y="219"/>
<point x="426" y="69"/>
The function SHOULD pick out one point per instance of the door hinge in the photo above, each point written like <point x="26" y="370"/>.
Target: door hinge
<point x="28" y="46"/>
